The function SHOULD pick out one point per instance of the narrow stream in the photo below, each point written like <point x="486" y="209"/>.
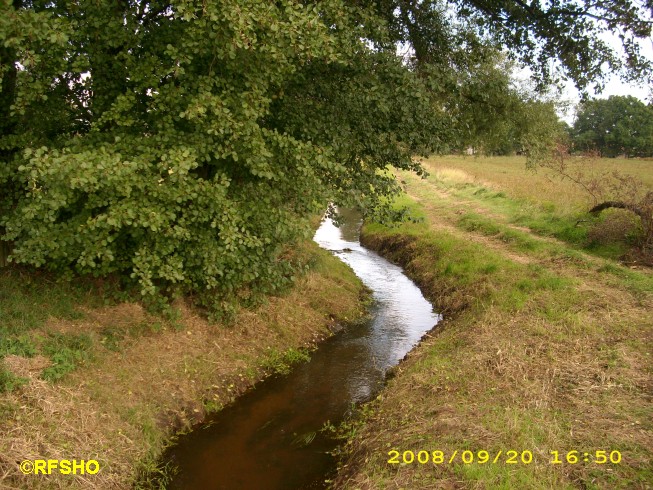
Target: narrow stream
<point x="270" y="438"/>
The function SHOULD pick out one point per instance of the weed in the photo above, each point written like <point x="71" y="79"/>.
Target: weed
<point x="281" y="362"/>
<point x="20" y="345"/>
<point x="153" y="474"/>
<point x="112" y="337"/>
<point x="7" y="410"/>
<point x="66" y="351"/>
<point x="9" y="381"/>
<point x="212" y="406"/>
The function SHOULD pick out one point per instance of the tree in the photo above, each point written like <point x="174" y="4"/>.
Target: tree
<point x="494" y="116"/>
<point x="183" y="144"/>
<point x="607" y="190"/>
<point x="614" y="126"/>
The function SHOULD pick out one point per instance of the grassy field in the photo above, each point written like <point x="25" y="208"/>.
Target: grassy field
<point x="504" y="191"/>
<point x="83" y="377"/>
<point x="542" y="368"/>
<point x="540" y="186"/>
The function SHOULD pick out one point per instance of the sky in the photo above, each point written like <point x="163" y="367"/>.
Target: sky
<point x="614" y="85"/>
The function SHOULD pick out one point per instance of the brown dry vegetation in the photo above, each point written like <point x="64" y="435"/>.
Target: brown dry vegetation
<point x="122" y="407"/>
<point x="543" y="348"/>
<point x="542" y="186"/>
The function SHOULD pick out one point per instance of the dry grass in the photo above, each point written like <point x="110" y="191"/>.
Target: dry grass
<point x="509" y="174"/>
<point x="121" y="408"/>
<point x="537" y="354"/>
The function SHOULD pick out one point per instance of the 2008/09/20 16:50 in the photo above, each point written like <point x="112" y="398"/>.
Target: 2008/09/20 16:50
<point x="507" y="457"/>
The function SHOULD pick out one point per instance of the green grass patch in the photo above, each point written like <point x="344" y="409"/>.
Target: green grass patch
<point x="18" y="345"/>
<point x="28" y="299"/>
<point x="282" y="362"/>
<point x="9" y="381"/>
<point x="572" y="225"/>
<point x="66" y="351"/>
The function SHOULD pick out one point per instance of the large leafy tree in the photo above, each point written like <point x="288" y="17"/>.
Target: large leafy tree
<point x="184" y="143"/>
<point x="614" y="126"/>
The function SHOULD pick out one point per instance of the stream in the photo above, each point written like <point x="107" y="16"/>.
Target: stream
<point x="271" y="437"/>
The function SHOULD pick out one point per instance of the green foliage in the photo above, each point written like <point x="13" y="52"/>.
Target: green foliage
<point x="534" y="33"/>
<point x="202" y="139"/>
<point x="66" y="351"/>
<point x="183" y="145"/>
<point x="9" y="381"/>
<point x="20" y="345"/>
<point x="614" y="126"/>
<point x="495" y="118"/>
<point x="281" y="362"/>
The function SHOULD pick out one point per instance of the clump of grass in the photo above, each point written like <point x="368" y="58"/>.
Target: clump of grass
<point x="281" y="362"/>
<point x="9" y="381"/>
<point x="152" y="474"/>
<point x="19" y="345"/>
<point x="67" y="351"/>
<point x="615" y="227"/>
<point x="453" y="175"/>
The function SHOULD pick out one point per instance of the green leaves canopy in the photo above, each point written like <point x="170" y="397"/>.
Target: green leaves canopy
<point x="185" y="143"/>
<point x="614" y="126"/>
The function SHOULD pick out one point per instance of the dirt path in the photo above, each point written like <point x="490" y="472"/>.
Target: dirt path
<point x="443" y="213"/>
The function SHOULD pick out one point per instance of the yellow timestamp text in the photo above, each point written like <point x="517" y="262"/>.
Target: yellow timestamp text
<point x="465" y="457"/>
<point x="500" y="457"/>
<point x="595" y="457"/>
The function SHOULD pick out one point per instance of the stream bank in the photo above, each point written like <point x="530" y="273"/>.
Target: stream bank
<point x="121" y="406"/>
<point x="273" y="438"/>
<point x="543" y="362"/>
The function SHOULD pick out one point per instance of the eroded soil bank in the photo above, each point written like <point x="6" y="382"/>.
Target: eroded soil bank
<point x="544" y="351"/>
<point x="121" y="406"/>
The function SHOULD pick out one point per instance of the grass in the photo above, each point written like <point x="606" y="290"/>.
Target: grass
<point x="508" y="194"/>
<point x="282" y="362"/>
<point x="509" y="175"/>
<point x="9" y="381"/>
<point x="88" y="378"/>
<point x="543" y="347"/>
<point x="34" y="306"/>
<point x="66" y="351"/>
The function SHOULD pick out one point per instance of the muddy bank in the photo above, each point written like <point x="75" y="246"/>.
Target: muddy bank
<point x="122" y="406"/>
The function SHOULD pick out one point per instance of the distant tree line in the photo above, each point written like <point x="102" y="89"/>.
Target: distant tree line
<point x="618" y="125"/>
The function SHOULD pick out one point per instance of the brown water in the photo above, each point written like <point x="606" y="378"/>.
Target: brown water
<point x="270" y="438"/>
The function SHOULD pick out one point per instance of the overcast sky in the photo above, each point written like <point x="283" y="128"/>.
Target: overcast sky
<point x="614" y="86"/>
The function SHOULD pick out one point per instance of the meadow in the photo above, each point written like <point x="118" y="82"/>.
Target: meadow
<point x="538" y="185"/>
<point x="507" y="192"/>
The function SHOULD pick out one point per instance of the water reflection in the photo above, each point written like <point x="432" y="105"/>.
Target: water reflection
<point x="270" y="438"/>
